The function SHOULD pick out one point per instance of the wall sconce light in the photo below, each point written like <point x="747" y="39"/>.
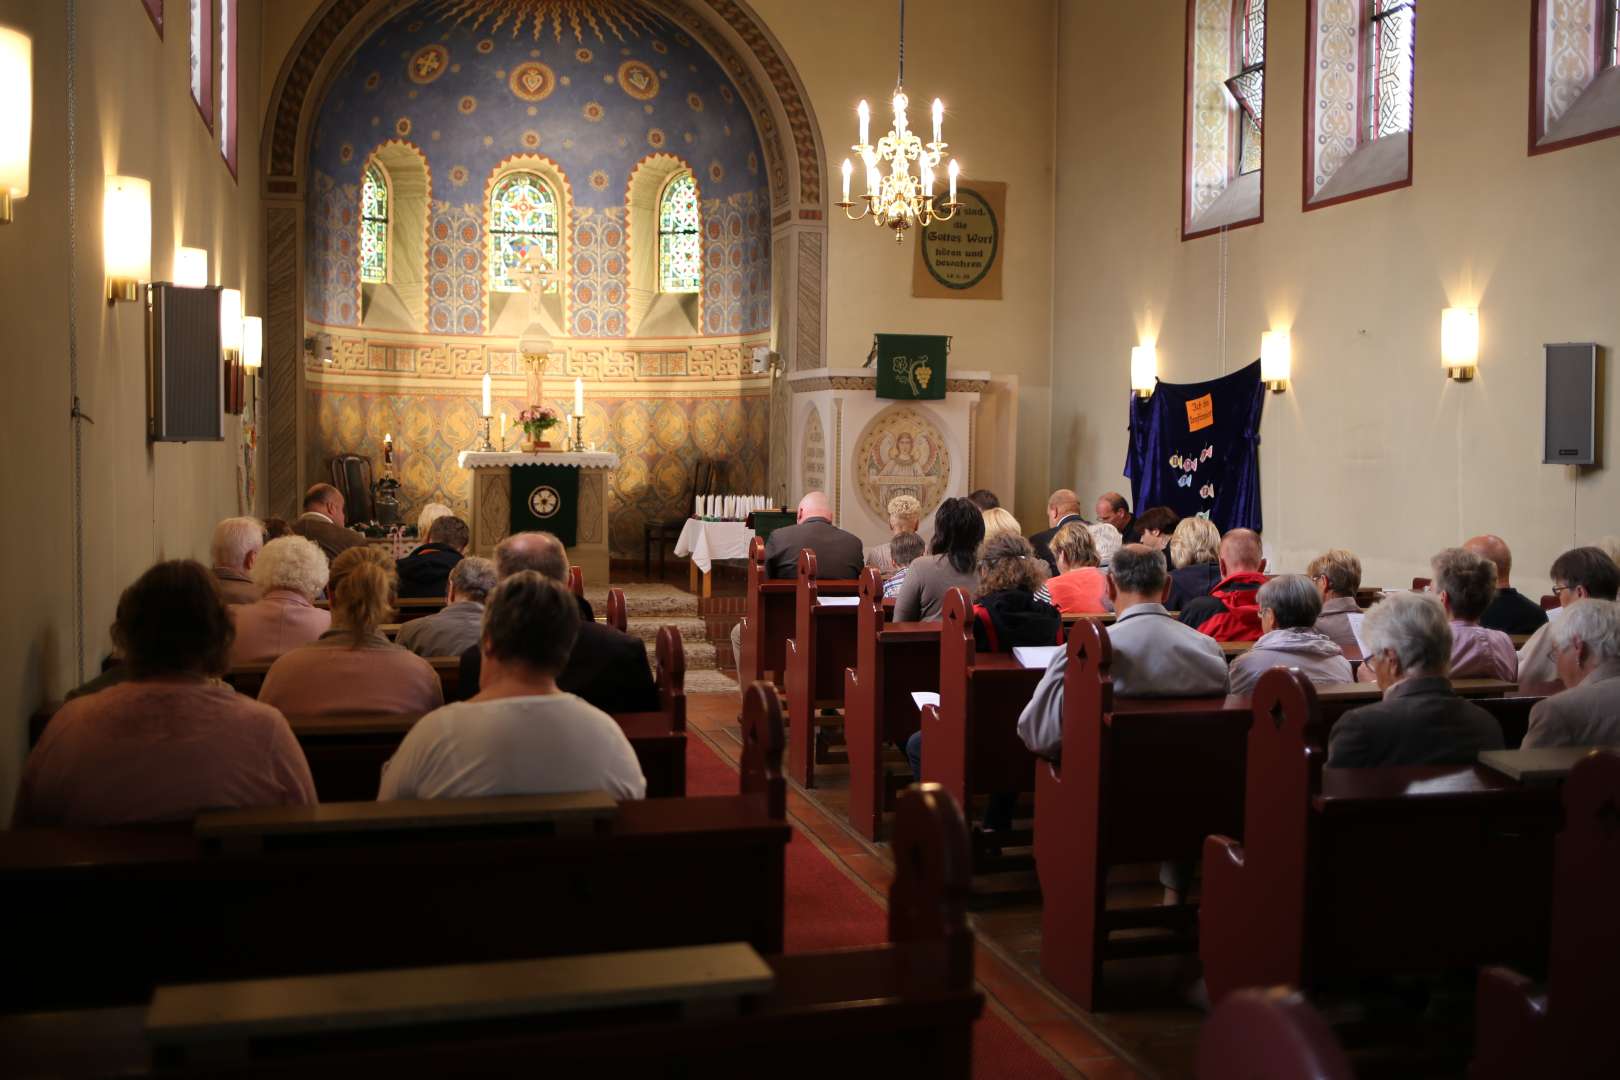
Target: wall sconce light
<point x="17" y="118"/>
<point x="1459" y="342"/>
<point x="126" y="236"/>
<point x="191" y="267"/>
<point x="1144" y="370"/>
<point x="230" y="320"/>
<point x="252" y="342"/>
<point x="1276" y="359"/>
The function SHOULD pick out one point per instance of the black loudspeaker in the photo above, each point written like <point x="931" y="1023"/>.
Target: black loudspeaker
<point x="185" y="393"/>
<point x="1570" y="434"/>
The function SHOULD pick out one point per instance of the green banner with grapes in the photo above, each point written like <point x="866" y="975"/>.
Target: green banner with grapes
<point x="911" y="367"/>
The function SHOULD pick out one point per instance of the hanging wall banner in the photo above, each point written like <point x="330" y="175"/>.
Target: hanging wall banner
<point x="911" y="367"/>
<point x="961" y="259"/>
<point x="1195" y="447"/>
<point x="545" y="498"/>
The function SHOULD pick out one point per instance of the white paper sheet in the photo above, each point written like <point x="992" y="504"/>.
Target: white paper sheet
<point x="924" y="697"/>
<point x="1355" y="618"/>
<point x="838" y="601"/>
<point x="1036" y="656"/>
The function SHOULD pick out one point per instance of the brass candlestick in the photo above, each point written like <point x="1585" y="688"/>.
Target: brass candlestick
<point x="577" y="441"/>
<point x="484" y="445"/>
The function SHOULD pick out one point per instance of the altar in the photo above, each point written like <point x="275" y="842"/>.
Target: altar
<point x="514" y="486"/>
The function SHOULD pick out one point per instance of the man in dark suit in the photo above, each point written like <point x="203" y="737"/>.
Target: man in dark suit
<point x="1062" y="508"/>
<point x="1421" y="720"/>
<point x="839" y="554"/>
<point x="1511" y="612"/>
<point x="608" y="668"/>
<point x="322" y="521"/>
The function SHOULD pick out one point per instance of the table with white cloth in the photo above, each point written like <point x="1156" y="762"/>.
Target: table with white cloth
<point x="707" y="542"/>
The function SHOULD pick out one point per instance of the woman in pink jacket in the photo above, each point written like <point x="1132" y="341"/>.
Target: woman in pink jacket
<point x="289" y="573"/>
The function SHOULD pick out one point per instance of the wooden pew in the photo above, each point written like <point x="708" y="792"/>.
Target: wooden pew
<point x="346" y="752"/>
<point x="899" y="1008"/>
<point x="348" y="887"/>
<point x="1565" y="1028"/>
<point x="1347" y="873"/>
<point x="407" y="608"/>
<point x="576" y="581"/>
<point x="970" y="740"/>
<point x="617" y="616"/>
<point x="822" y="646"/>
<point x="892" y="660"/>
<point x="249" y="678"/>
<point x="1142" y="780"/>
<point x="767" y="620"/>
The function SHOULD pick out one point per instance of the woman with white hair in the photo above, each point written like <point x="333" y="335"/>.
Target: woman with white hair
<point x="432" y="512"/>
<point x="1106" y="540"/>
<point x="289" y="573"/>
<point x="905" y="515"/>
<point x="1421" y="720"/>
<point x="1289" y="606"/>
<point x="1586" y="648"/>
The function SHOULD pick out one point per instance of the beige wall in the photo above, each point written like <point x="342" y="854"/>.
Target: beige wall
<point x="1373" y="448"/>
<point x="141" y="503"/>
<point x="993" y="69"/>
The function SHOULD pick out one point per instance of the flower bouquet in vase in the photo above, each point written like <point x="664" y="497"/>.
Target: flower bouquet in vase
<point x="536" y="421"/>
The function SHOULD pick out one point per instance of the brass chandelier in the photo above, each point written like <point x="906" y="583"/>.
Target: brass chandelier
<point x="895" y="198"/>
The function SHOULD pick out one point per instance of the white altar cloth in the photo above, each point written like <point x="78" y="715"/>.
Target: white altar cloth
<point x="593" y="459"/>
<point x="709" y="541"/>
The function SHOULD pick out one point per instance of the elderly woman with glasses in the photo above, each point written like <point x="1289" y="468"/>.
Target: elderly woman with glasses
<point x="1289" y="607"/>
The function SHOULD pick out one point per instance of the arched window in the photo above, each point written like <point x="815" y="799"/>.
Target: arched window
<point x="1611" y="36"/>
<point x="1248" y="82"/>
<point x="522" y="216"/>
<point x="1389" y="75"/>
<point x="680" y="248"/>
<point x="374" y="225"/>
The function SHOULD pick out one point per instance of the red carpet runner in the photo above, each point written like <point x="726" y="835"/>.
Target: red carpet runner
<point x="826" y="910"/>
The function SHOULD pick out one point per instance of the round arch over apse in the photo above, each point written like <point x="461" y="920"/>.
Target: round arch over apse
<point x="728" y="29"/>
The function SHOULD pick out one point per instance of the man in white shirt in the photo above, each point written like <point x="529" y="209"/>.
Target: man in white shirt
<point x="520" y="735"/>
<point x="1154" y="654"/>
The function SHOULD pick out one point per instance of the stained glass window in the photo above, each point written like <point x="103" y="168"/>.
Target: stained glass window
<point x="202" y="59"/>
<point x="1389" y="77"/>
<point x="522" y="217"/>
<point x="1248" y="84"/>
<point x="373" y="225"/>
<point x="680" y="250"/>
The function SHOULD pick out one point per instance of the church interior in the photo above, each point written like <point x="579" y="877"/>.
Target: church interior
<point x="854" y="368"/>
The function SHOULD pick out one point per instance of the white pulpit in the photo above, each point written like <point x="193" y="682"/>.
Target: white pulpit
<point x="492" y="503"/>
<point x="864" y="450"/>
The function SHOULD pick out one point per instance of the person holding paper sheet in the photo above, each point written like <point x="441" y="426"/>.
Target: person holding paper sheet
<point x="1337" y="575"/>
<point x="1586" y="645"/>
<point x="1154" y="654"/>
<point x="1578" y="574"/>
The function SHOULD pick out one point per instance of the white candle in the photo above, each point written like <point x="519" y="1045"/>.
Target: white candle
<point x="579" y="397"/>
<point x="939" y="117"/>
<point x="487" y="410"/>
<point x="927" y="178"/>
<point x="697" y="506"/>
<point x="848" y="170"/>
<point x="865" y="113"/>
<point x="872" y="181"/>
<point x="954" y="170"/>
<point x="503" y="427"/>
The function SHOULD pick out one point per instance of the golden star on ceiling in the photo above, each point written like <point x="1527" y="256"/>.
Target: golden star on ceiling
<point x="616" y="17"/>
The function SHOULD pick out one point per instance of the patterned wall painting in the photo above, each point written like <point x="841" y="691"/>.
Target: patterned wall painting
<point x="901" y="452"/>
<point x="594" y="87"/>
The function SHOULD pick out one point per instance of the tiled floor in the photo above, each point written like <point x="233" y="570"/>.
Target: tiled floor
<point x="1158" y="1042"/>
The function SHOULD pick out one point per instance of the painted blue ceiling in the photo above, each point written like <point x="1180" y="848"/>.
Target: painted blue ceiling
<point x="469" y="97"/>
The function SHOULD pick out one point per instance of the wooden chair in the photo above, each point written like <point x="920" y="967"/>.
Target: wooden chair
<point x="970" y="740"/>
<point x="897" y="1008"/>
<point x="1565" y="1028"/>
<point x="821" y="648"/>
<point x="358" y="886"/>
<point x="892" y="660"/>
<point x="1349" y="873"/>
<point x="1270" y="1034"/>
<point x="1142" y="780"/>
<point x="351" y="475"/>
<point x="708" y="478"/>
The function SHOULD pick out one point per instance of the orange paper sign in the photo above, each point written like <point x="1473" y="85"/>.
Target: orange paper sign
<point x="1200" y="413"/>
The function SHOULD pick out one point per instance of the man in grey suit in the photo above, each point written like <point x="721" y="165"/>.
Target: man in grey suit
<point x="1586" y="647"/>
<point x="1155" y="654"/>
<point x="1421" y="720"/>
<point x="839" y="554"/>
<point x="322" y="521"/>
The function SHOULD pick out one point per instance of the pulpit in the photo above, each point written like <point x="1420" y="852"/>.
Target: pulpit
<point x="863" y="450"/>
<point x="521" y="488"/>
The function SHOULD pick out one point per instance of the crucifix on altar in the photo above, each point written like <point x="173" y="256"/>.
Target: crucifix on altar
<point x="538" y="276"/>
